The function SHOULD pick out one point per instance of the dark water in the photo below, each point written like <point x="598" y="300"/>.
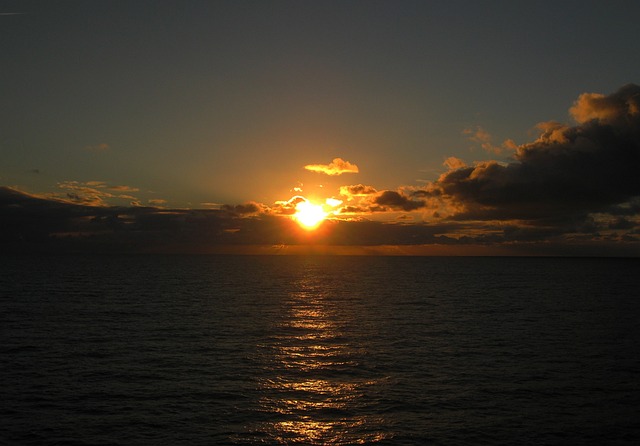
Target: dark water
<point x="319" y="350"/>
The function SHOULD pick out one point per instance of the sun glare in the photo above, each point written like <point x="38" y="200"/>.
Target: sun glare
<point x="309" y="215"/>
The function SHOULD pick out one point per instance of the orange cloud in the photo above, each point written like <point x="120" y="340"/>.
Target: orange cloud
<point x="92" y="193"/>
<point x="454" y="163"/>
<point x="482" y="137"/>
<point x="123" y="188"/>
<point x="337" y="167"/>
<point x="83" y="193"/>
<point x="607" y="109"/>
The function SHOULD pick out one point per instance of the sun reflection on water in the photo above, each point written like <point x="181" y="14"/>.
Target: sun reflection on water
<point x="314" y="391"/>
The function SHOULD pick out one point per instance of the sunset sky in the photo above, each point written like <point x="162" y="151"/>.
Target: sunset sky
<point x="458" y="127"/>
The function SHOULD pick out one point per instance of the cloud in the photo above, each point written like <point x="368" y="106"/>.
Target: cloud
<point x="574" y="182"/>
<point x="622" y="223"/>
<point x="123" y="188"/>
<point x="249" y="208"/>
<point x="337" y="167"/>
<point x="616" y="109"/>
<point x="482" y="137"/>
<point x="453" y="163"/>
<point x="93" y="183"/>
<point x="397" y="201"/>
<point x="92" y="193"/>
<point x="357" y="190"/>
<point x="287" y="207"/>
<point x="567" y="173"/>
<point x="29" y="223"/>
<point x="88" y="193"/>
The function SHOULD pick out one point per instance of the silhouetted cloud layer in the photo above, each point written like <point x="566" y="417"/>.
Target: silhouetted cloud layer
<point x="574" y="190"/>
<point x="33" y="224"/>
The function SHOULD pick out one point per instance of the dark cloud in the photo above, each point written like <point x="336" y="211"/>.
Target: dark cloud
<point x="397" y="201"/>
<point x="568" y="171"/>
<point x="348" y="209"/>
<point x="622" y="223"/>
<point x="357" y="190"/>
<point x="243" y="209"/>
<point x="630" y="208"/>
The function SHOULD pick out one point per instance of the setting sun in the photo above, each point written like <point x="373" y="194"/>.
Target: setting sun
<point x="309" y="215"/>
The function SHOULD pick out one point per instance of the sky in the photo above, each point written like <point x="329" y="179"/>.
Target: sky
<point x="492" y="127"/>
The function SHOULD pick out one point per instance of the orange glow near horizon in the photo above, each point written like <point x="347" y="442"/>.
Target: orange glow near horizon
<point x="309" y="215"/>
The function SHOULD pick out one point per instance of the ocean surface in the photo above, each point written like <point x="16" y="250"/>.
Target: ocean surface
<point x="206" y="350"/>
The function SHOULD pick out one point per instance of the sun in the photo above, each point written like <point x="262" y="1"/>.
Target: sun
<point x="309" y="215"/>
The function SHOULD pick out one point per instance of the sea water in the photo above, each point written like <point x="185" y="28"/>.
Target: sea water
<point x="203" y="350"/>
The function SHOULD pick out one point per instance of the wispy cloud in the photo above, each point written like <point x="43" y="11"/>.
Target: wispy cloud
<point x="337" y="167"/>
<point x="122" y="188"/>
<point x="482" y="137"/>
<point x="93" y="193"/>
<point x="453" y="163"/>
<point x="84" y="193"/>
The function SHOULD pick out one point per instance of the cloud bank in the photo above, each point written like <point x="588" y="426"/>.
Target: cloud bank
<point x="567" y="173"/>
<point x="574" y="182"/>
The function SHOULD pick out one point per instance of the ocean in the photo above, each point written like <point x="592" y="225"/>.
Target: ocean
<point x="268" y="350"/>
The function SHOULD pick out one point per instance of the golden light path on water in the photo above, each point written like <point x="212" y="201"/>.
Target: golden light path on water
<point x="316" y="392"/>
